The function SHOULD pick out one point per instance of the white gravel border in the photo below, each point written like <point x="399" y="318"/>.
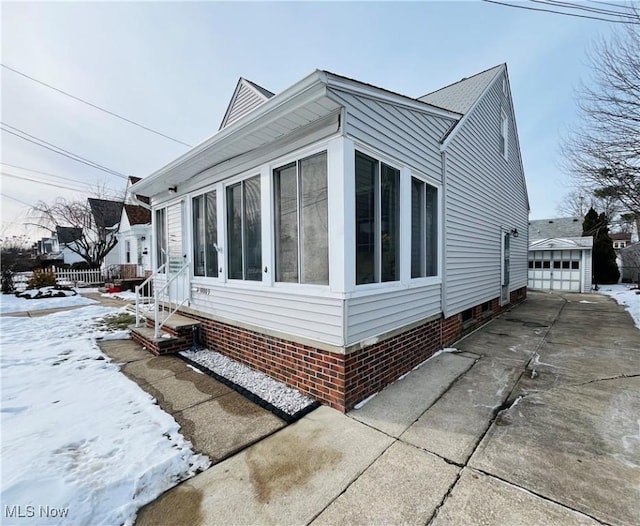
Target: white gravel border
<point x="278" y="394"/>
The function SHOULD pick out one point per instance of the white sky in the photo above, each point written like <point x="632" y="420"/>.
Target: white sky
<point x="173" y="67"/>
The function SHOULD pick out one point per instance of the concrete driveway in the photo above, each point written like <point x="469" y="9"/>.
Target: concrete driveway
<point x="534" y="420"/>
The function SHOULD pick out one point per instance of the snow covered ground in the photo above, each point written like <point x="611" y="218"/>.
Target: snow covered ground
<point x="10" y="303"/>
<point x="79" y="440"/>
<point x="624" y="295"/>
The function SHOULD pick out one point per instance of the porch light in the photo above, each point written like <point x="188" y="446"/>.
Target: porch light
<point x="173" y="189"/>
<point x="514" y="232"/>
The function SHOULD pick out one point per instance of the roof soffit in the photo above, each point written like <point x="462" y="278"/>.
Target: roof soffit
<point x="269" y="122"/>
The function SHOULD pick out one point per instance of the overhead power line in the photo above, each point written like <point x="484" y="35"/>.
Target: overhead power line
<point x="113" y="114"/>
<point x="46" y="183"/>
<point x="14" y="199"/>
<point x="625" y="18"/>
<point x="56" y="149"/>
<point x="49" y="174"/>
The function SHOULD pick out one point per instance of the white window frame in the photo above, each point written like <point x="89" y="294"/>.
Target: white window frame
<point x="439" y="227"/>
<point x="256" y="172"/>
<point x="504" y="133"/>
<point x="381" y="159"/>
<point x="217" y="188"/>
<point x="298" y="213"/>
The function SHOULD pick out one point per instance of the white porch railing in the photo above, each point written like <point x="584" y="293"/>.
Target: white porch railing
<point x="93" y="276"/>
<point x="149" y="296"/>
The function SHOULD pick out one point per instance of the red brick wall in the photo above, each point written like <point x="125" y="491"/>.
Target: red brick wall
<point x="336" y="379"/>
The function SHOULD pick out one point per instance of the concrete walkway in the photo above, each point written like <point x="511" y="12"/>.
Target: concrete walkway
<point x="215" y="419"/>
<point x="533" y="421"/>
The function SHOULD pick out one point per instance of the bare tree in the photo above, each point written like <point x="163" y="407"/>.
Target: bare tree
<point x="577" y="202"/>
<point x="94" y="236"/>
<point x="603" y="154"/>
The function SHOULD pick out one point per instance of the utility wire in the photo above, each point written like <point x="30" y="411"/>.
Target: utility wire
<point x="14" y="199"/>
<point x="46" y="173"/>
<point x="93" y="105"/>
<point x="597" y="10"/>
<point x="60" y="151"/>
<point x="47" y="183"/>
<point x="529" y="8"/>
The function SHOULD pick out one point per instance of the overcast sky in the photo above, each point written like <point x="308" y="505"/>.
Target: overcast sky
<point x="173" y="67"/>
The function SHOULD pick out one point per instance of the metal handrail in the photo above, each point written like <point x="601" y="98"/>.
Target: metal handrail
<point x="142" y="286"/>
<point x="172" y="310"/>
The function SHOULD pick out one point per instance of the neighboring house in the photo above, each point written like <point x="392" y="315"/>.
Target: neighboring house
<point x="48" y="248"/>
<point x="107" y="215"/>
<point x="337" y="234"/>
<point x="67" y="238"/>
<point x="559" y="256"/>
<point x="620" y="240"/>
<point x="134" y="236"/>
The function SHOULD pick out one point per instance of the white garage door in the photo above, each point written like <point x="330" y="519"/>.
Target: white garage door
<point x="555" y="270"/>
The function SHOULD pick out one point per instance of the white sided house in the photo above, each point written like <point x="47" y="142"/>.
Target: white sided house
<point x="335" y="235"/>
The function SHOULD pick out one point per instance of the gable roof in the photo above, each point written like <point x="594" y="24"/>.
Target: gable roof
<point x="137" y="215"/>
<point x="562" y="243"/>
<point x="68" y="234"/>
<point x="106" y="213"/>
<point x="621" y="236"/>
<point x="247" y="96"/>
<point x="462" y="95"/>
<point x="561" y="227"/>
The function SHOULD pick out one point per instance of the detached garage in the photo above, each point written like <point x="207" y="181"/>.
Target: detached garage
<point x="559" y="258"/>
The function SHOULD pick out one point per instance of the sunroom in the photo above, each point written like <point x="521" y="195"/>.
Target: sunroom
<point x="300" y="246"/>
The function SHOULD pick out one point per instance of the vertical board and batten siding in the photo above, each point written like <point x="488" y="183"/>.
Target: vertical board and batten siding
<point x="314" y="317"/>
<point x="375" y="314"/>
<point x="484" y="192"/>
<point x="245" y="101"/>
<point x="411" y="137"/>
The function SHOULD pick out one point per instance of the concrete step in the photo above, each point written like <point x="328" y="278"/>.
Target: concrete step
<point x="165" y="343"/>
<point x="176" y="322"/>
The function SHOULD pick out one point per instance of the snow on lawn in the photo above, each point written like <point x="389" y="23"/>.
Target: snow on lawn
<point x="624" y="295"/>
<point x="10" y="303"/>
<point x="77" y="435"/>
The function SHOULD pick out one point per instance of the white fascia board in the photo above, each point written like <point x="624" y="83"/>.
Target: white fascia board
<point x="465" y="117"/>
<point x="237" y="128"/>
<point x="357" y="88"/>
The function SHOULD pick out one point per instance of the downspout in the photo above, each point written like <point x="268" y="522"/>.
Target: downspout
<point x="443" y="156"/>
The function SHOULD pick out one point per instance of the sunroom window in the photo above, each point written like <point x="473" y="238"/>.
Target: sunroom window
<point x="377" y="221"/>
<point x="244" y="237"/>
<point x="301" y="232"/>
<point x="424" y="229"/>
<point x="205" y="235"/>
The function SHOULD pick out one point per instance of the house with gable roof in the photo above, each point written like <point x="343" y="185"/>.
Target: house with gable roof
<point x="337" y="234"/>
<point x="134" y="236"/>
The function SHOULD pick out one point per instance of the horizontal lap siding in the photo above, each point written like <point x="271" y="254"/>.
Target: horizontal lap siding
<point x="483" y="193"/>
<point x="312" y="317"/>
<point x="246" y="101"/>
<point x="376" y="314"/>
<point x="407" y="136"/>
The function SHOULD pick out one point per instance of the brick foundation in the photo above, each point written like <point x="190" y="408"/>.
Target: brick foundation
<point x="336" y="379"/>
